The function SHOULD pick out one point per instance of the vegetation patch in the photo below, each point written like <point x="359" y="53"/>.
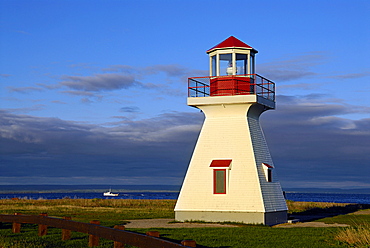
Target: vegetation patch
<point x="112" y="212"/>
<point x="355" y="236"/>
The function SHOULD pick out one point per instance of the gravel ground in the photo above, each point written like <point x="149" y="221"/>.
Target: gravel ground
<point x="165" y="223"/>
<point x="309" y="224"/>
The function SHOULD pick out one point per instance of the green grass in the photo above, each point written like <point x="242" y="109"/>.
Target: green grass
<point x="254" y="236"/>
<point x="239" y="237"/>
<point x="112" y="212"/>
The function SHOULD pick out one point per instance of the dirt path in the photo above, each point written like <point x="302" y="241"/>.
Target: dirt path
<point x="164" y="223"/>
<point x="309" y="224"/>
<point x="306" y="221"/>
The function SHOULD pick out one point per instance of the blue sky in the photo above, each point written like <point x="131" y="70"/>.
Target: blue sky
<point x="94" y="92"/>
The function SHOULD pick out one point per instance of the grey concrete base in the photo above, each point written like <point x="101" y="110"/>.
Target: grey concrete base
<point x="270" y="218"/>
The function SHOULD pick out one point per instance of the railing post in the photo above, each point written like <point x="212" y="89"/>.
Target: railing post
<point x="66" y="234"/>
<point x="153" y="234"/>
<point x="16" y="228"/>
<point x="43" y="229"/>
<point x="116" y="243"/>
<point x="189" y="243"/>
<point x="94" y="240"/>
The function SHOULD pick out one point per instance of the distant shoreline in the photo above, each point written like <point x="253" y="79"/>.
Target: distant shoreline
<point x="8" y="189"/>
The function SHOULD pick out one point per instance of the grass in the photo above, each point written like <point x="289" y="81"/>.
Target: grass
<point x="112" y="212"/>
<point x="355" y="236"/>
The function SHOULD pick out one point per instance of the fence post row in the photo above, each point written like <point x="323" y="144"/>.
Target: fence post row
<point x="116" y="243"/>
<point x="43" y="229"/>
<point x="95" y="231"/>
<point x="16" y="228"/>
<point x="94" y="240"/>
<point x="66" y="233"/>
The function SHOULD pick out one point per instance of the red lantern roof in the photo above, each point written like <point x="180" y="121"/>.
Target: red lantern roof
<point x="231" y="42"/>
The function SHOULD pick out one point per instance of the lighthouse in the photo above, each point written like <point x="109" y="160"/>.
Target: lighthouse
<point x="231" y="176"/>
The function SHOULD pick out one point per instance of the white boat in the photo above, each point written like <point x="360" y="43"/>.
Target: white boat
<point x="109" y="193"/>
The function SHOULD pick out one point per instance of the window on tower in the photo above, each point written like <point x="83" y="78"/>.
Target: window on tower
<point x="220" y="175"/>
<point x="269" y="175"/>
<point x="268" y="171"/>
<point x="219" y="181"/>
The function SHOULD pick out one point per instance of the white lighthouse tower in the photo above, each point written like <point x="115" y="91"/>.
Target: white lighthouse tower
<point x="231" y="176"/>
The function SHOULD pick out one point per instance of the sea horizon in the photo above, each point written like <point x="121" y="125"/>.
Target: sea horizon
<point x="97" y="188"/>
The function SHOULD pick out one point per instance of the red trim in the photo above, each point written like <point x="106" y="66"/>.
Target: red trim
<point x="267" y="165"/>
<point x="221" y="163"/>
<point x="230" y="42"/>
<point x="215" y="181"/>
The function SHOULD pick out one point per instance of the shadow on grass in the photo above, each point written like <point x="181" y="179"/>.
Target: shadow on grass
<point x="198" y="245"/>
<point x="320" y="213"/>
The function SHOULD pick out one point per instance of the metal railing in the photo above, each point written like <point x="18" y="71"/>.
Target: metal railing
<point x="231" y="85"/>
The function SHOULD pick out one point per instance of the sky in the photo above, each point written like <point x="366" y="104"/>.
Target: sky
<point x="94" y="92"/>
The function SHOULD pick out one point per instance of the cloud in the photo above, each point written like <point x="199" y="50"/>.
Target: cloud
<point x="50" y="147"/>
<point x="35" y="107"/>
<point x="58" y="102"/>
<point x="293" y="68"/>
<point x="310" y="143"/>
<point x="309" y="139"/>
<point x="78" y="93"/>
<point x="172" y="70"/>
<point x="100" y="82"/>
<point x="24" y="89"/>
<point x="22" y="32"/>
<point x="352" y="75"/>
<point x="304" y="86"/>
<point x="5" y="75"/>
<point x="122" y="68"/>
<point x="129" y="109"/>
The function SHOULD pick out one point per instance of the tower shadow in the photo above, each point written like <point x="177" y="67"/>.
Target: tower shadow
<point x="320" y="213"/>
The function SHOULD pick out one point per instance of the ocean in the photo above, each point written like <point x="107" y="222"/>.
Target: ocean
<point x="149" y="192"/>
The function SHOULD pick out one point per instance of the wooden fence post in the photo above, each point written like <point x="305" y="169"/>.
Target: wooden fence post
<point x="153" y="234"/>
<point x="116" y="243"/>
<point x="94" y="240"/>
<point x="16" y="226"/>
<point x="43" y="229"/>
<point x="66" y="234"/>
<point x="189" y="242"/>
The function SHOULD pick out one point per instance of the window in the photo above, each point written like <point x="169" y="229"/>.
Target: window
<point x="220" y="174"/>
<point x="269" y="175"/>
<point x="226" y="65"/>
<point x="268" y="171"/>
<point x="251" y="65"/>
<point x="241" y="64"/>
<point x="219" y="181"/>
<point x="214" y="65"/>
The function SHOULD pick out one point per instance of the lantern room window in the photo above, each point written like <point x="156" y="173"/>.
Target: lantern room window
<point x="251" y="64"/>
<point x="214" y="65"/>
<point x="226" y="64"/>
<point x="241" y="64"/>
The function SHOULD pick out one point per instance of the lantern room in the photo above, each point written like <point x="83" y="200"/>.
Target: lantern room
<point x="231" y="57"/>
<point x="232" y="73"/>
